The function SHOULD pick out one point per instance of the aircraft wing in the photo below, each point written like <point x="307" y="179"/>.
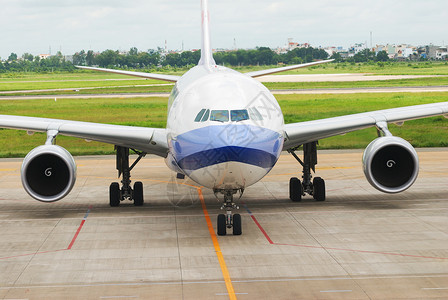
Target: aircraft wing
<point x="149" y="140"/>
<point x="170" y="78"/>
<point x="297" y="134"/>
<point x="288" y="68"/>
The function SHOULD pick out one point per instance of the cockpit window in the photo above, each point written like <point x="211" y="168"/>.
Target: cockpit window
<point x="219" y="115"/>
<point x="236" y="115"/>
<point x="255" y="114"/>
<point x="239" y="115"/>
<point x="199" y="115"/>
<point x="205" y="118"/>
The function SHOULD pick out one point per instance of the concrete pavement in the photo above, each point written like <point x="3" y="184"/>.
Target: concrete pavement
<point x="359" y="244"/>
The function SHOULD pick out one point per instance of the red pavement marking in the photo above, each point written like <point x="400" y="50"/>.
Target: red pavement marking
<point x="329" y="248"/>
<point x="51" y="251"/>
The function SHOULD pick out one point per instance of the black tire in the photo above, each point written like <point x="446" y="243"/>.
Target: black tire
<point x="114" y="194"/>
<point x="237" y="229"/>
<point x="295" y="189"/>
<point x="319" y="189"/>
<point x="138" y="193"/>
<point x="222" y="230"/>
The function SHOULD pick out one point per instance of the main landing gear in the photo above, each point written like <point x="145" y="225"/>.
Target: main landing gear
<point x="316" y="188"/>
<point x="117" y="194"/>
<point x="229" y="220"/>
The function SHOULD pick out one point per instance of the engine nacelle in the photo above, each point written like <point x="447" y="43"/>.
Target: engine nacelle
<point x="48" y="173"/>
<point x="390" y="164"/>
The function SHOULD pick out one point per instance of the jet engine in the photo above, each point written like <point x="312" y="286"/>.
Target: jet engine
<point x="48" y="173"/>
<point x="390" y="164"/>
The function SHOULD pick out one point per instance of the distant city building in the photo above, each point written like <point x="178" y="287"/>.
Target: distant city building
<point x="44" y="56"/>
<point x="442" y="53"/>
<point x="355" y="49"/>
<point x="291" y="45"/>
<point x="428" y="51"/>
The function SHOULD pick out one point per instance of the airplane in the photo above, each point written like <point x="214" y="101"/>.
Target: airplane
<point x="225" y="131"/>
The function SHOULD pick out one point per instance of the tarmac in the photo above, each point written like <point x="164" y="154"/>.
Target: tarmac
<point x="359" y="244"/>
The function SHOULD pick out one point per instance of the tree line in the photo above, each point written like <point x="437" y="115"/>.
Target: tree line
<point x="135" y="59"/>
<point x="30" y="63"/>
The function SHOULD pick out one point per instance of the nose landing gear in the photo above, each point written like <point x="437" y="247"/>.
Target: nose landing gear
<point x="229" y="220"/>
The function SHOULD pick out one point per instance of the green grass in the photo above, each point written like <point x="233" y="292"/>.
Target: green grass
<point x="145" y="112"/>
<point x="388" y="68"/>
<point x="152" y="112"/>
<point x="105" y="90"/>
<point x="113" y="83"/>
<point x="41" y="85"/>
<point x="431" y="81"/>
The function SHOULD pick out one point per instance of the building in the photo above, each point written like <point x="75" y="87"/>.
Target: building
<point x="355" y="49"/>
<point x="44" y="56"/>
<point x="442" y="53"/>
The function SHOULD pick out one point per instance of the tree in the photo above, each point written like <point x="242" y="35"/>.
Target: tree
<point x="28" y="56"/>
<point x="265" y="56"/>
<point x="12" y="57"/>
<point x="364" y="56"/>
<point x="79" y="58"/>
<point x="107" y="58"/>
<point x="90" y="58"/>
<point x="382" y="56"/>
<point x="336" y="56"/>
<point x="133" y="51"/>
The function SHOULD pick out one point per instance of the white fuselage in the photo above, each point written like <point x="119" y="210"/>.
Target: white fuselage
<point x="224" y="129"/>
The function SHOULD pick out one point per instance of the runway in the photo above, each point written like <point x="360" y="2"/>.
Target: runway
<point x="359" y="244"/>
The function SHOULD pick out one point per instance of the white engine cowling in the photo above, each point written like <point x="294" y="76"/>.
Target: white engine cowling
<point x="390" y="164"/>
<point x="48" y="173"/>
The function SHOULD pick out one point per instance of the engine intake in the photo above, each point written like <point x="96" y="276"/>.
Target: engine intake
<point x="48" y="173"/>
<point x="390" y="164"/>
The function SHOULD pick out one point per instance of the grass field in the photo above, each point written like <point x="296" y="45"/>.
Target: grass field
<point x="112" y="83"/>
<point x="151" y="112"/>
<point x="388" y="68"/>
<point x="142" y="86"/>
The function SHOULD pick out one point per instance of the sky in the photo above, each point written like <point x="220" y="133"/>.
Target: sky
<point x="69" y="26"/>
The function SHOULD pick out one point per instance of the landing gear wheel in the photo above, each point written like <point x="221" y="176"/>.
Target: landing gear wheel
<point x="114" y="194"/>
<point x="295" y="189"/>
<point x="319" y="189"/>
<point x="222" y="230"/>
<point x="138" y="193"/>
<point x="237" y="230"/>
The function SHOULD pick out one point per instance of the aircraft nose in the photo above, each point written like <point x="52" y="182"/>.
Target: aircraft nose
<point x="250" y="144"/>
<point x="211" y="145"/>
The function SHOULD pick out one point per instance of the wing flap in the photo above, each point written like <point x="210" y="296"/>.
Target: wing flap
<point x="297" y="134"/>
